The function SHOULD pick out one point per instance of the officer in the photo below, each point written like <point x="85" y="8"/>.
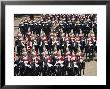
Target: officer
<point x="31" y="25"/>
<point x="22" y="28"/>
<point x="26" y="26"/>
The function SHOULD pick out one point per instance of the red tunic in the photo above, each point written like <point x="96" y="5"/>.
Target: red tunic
<point x="56" y="53"/>
<point x="62" y="58"/>
<point x="70" y="55"/>
<point x="82" y="54"/>
<point x="36" y="59"/>
<point x="36" y="51"/>
<point x="29" y="59"/>
<point x="74" y="39"/>
<point x="29" y="45"/>
<point x="43" y="57"/>
<point x="49" y="59"/>
<point x="79" y="38"/>
<point x="76" y="56"/>
<point x="69" y="38"/>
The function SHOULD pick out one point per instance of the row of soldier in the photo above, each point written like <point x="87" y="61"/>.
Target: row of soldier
<point x="54" y="67"/>
<point x="49" y="23"/>
<point x="54" y="45"/>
